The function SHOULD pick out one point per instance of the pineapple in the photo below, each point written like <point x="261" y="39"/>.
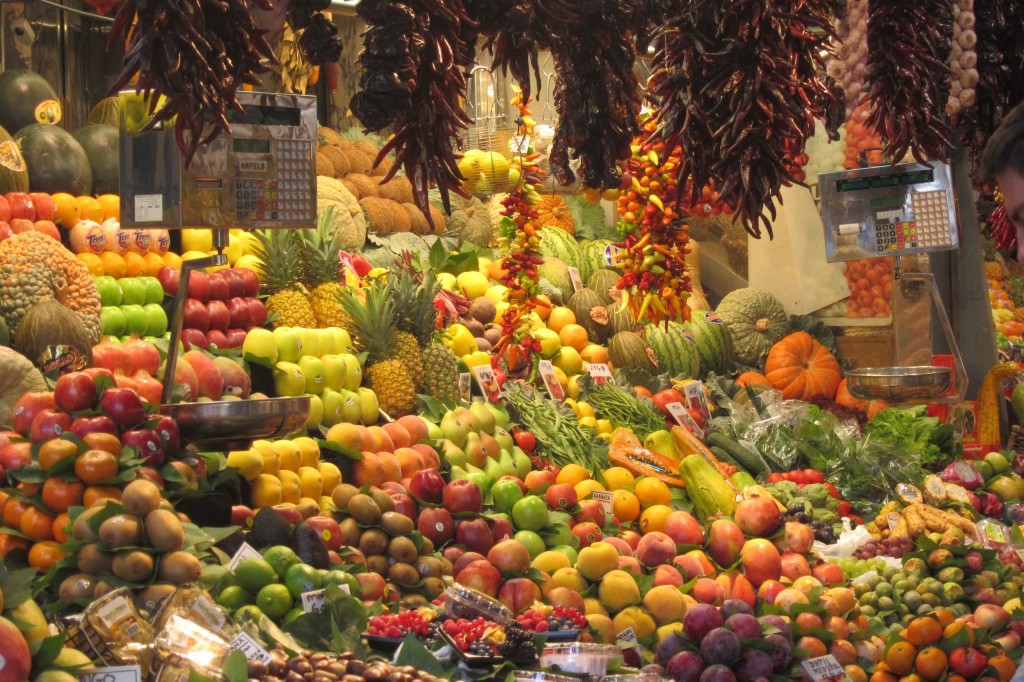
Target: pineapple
<point x="440" y="373"/>
<point x="321" y="252"/>
<point x="281" y="272"/>
<point x="407" y="351"/>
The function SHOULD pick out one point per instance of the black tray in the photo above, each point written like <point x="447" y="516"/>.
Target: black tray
<point x="472" y="660"/>
<point x="385" y="644"/>
<point x="560" y="635"/>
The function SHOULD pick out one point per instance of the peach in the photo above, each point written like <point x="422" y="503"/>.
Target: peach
<point x="431" y="460"/>
<point x="510" y="556"/>
<point x="392" y="469"/>
<point x="562" y="596"/>
<point x="828" y="573"/>
<point x="519" y="594"/>
<point x="761" y="561"/>
<point x="798" y="537"/>
<point x="602" y="627"/>
<point x="725" y="542"/>
<point x="794" y="566"/>
<point x="703" y="560"/>
<point x="382" y="441"/>
<point x="414" y="426"/>
<point x="668" y="575"/>
<point x="410" y="461"/>
<point x="758" y="516"/>
<point x="690" y="567"/>
<point x="631" y="537"/>
<point x="620" y="545"/>
<point x="991" y="617"/>
<point x="736" y="586"/>
<point x="665" y="603"/>
<point x="630" y="563"/>
<point x="655" y="548"/>
<point x="368" y="470"/>
<point x="597" y="559"/>
<point x="683" y="528"/>
<point x="400" y="438"/>
<point x="708" y="591"/>
<point x="808" y="621"/>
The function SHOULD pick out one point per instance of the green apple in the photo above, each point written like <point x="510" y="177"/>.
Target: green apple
<point x="313" y="369"/>
<point x="530" y="513"/>
<point x="1000" y="464"/>
<point x="453" y="454"/>
<point x="133" y="291"/>
<point x="351" y="407"/>
<point x="328" y="346"/>
<point x="289" y="344"/>
<point x="560" y="534"/>
<point x="568" y="550"/>
<point x="504" y="494"/>
<point x="504" y="438"/>
<point x="289" y="379"/>
<point x="333" y="403"/>
<point x="261" y="343"/>
<point x="157" y="319"/>
<point x="342" y="340"/>
<point x="483" y="416"/>
<point x="109" y="290"/>
<point x="154" y="292"/>
<point x="482" y="480"/>
<point x="112" y="321"/>
<point x="310" y="341"/>
<point x="533" y="541"/>
<point x="453" y="429"/>
<point x="136" y="321"/>
<point x="316" y="412"/>
<point x="369" y="407"/>
<point x="353" y="372"/>
<point x="334" y="370"/>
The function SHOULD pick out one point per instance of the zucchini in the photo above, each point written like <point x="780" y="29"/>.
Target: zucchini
<point x="725" y="457"/>
<point x="709" y="491"/>
<point x="750" y="461"/>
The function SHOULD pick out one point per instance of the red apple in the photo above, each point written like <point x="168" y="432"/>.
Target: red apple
<point x="587" y="533"/>
<point x="257" y="312"/>
<point x="436" y="524"/>
<point x="101" y="423"/>
<point x="96" y="372"/>
<point x="193" y="338"/>
<point x="199" y="285"/>
<point x="141" y="355"/>
<point x="5" y="209"/>
<point x="539" y="481"/>
<point x="46" y="207"/>
<point x="28" y="406"/>
<point x="218" y="286"/>
<point x="510" y="556"/>
<point x="560" y="496"/>
<point x="220" y="316"/>
<point x="289" y="513"/>
<point x="481" y="576"/>
<point x="197" y="315"/>
<point x="501" y="528"/>
<point x="405" y="505"/>
<point x="5" y="230"/>
<point x="250" y="282"/>
<point x="16" y="455"/>
<point x="148" y="443"/>
<point x="21" y="206"/>
<point x="216" y="337"/>
<point x="47" y="227"/>
<point x="371" y="586"/>
<point x="49" y="424"/>
<point x="462" y="495"/>
<point x="474" y="534"/>
<point x="519" y="594"/>
<point x="242" y="516"/>
<point x="151" y="474"/>
<point x="328" y="530"/>
<point x="168" y="431"/>
<point x="234" y="338"/>
<point x="592" y="511"/>
<point x="238" y="311"/>
<point x="236" y="286"/>
<point x="20" y="225"/>
<point x="75" y="391"/>
<point x="453" y="553"/>
<point x="427" y="485"/>
<point x="124" y="406"/>
<point x="169" y="278"/>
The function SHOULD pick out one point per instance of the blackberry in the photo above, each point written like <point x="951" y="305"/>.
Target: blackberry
<point x="518" y="646"/>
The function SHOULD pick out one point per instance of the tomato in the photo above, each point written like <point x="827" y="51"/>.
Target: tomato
<point x="844" y="508"/>
<point x="663" y="398"/>
<point x="774" y="477"/>
<point x="833" y="492"/>
<point x="525" y="440"/>
<point x="813" y="476"/>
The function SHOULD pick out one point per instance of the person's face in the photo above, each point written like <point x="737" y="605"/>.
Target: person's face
<point x="1011" y="184"/>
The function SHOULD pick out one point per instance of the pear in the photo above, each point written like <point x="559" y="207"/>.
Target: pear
<point x="484" y="416"/>
<point x="468" y="419"/>
<point x="524" y="464"/>
<point x="660" y="442"/>
<point x="504" y="438"/>
<point x="369" y="407"/>
<point x="500" y="415"/>
<point x="476" y="451"/>
<point x="493" y="469"/>
<point x="454" y="429"/>
<point x="507" y="464"/>
<point x="459" y="473"/>
<point x="482" y="480"/>
<point x="433" y="430"/>
<point x="453" y="454"/>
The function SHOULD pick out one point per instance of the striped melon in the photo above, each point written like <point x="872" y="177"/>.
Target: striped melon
<point x="593" y="257"/>
<point x="557" y="243"/>
<point x="13" y="169"/>
<point x="621" y="319"/>
<point x="556" y="272"/>
<point x="714" y="345"/>
<point x="601" y="282"/>
<point x="590" y="314"/>
<point x="628" y="349"/>
<point x="675" y="349"/>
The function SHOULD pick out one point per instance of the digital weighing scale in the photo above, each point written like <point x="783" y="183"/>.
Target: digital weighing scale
<point x="896" y="211"/>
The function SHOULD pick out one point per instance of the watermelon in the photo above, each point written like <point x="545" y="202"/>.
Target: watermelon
<point x="56" y="162"/>
<point x="13" y="170"/>
<point x="714" y="345"/>
<point x="675" y="349"/>
<point x="601" y="282"/>
<point x="557" y="243"/>
<point x="556" y="273"/>
<point x="593" y="257"/>
<point x="21" y="91"/>
<point x="627" y="349"/>
<point x="102" y="146"/>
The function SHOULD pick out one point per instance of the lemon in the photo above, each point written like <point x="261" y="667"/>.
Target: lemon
<point x="274" y="600"/>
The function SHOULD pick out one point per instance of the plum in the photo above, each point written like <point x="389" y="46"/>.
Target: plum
<point x="782" y="652"/>
<point x="754" y="664"/>
<point x="734" y="606"/>
<point x="721" y="646"/>
<point x="653" y="669"/>
<point x="670" y="645"/>
<point x="779" y="624"/>
<point x="685" y="666"/>
<point x="700" y="620"/>
<point x="744" y="625"/>
<point x="717" y="673"/>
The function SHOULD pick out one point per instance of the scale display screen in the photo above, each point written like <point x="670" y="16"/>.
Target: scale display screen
<point x="266" y="115"/>
<point x="888" y="211"/>
<point x="242" y="145"/>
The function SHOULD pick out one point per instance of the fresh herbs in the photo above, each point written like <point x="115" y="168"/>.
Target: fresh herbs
<point x="912" y="432"/>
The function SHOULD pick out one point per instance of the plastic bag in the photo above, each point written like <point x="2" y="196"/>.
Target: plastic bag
<point x="847" y="543"/>
<point x="773" y="432"/>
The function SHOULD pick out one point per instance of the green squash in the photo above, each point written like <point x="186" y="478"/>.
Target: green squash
<point x="756" y="321"/>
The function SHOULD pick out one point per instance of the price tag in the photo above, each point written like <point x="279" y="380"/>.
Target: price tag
<point x="487" y="382"/>
<point x="599" y="371"/>
<point x="252" y="649"/>
<point x="246" y="551"/>
<point x="519" y="144"/>
<point x="683" y="418"/>
<point x="824" y="668"/>
<point x="574" y="277"/>
<point x="149" y="208"/>
<point x="627" y="639"/>
<point x="547" y="373"/>
<point x="118" y="673"/>
<point x="892" y="518"/>
<point x="994" y="532"/>
<point x="313" y="600"/>
<point x="696" y="399"/>
<point x="465" y="386"/>
<point x="604" y="497"/>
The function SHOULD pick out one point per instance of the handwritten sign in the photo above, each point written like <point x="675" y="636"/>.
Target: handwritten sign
<point x="627" y="639"/>
<point x="696" y="400"/>
<point x="487" y="382"/>
<point x="599" y="371"/>
<point x="604" y="497"/>
<point x="682" y="417"/>
<point x="246" y="551"/>
<point x="252" y="649"/>
<point x="547" y="373"/>
<point x="824" y="668"/>
<point x="574" y="277"/>
<point x="313" y="600"/>
<point x="120" y="673"/>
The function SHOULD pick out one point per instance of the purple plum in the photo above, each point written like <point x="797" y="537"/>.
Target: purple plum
<point x="721" y="646"/>
<point x="686" y="666"/>
<point x="700" y="620"/>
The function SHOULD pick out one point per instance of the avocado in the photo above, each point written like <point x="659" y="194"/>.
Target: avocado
<point x="310" y="547"/>
<point x="268" y="529"/>
<point x="231" y="543"/>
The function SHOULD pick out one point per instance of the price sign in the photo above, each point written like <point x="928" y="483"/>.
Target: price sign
<point x="519" y="144"/>
<point x="824" y="668"/>
<point x="465" y="386"/>
<point x="683" y="418"/>
<point x="487" y="382"/>
<point x="696" y="399"/>
<point x="547" y="373"/>
<point x="599" y="371"/>
<point x="995" y="533"/>
<point x="120" y="673"/>
<point x="627" y="639"/>
<point x="252" y="649"/>
<point x="574" y="277"/>
<point x="246" y="551"/>
<point x="313" y="600"/>
<point x="604" y="497"/>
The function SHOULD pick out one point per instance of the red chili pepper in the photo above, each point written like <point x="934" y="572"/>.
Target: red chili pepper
<point x="844" y="508"/>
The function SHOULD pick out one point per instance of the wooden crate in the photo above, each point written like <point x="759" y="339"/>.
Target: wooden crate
<point x="875" y="350"/>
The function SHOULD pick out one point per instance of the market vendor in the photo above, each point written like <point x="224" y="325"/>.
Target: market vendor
<point x="1003" y="161"/>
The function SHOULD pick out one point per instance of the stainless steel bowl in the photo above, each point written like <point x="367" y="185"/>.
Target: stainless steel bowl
<point x="900" y="384"/>
<point x="234" y="424"/>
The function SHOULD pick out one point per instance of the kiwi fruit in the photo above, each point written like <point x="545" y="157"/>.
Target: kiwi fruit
<point x="377" y="563"/>
<point x="433" y="587"/>
<point x="77" y="586"/>
<point x="402" y="549"/>
<point x="383" y="500"/>
<point x="179" y="568"/>
<point x="80" y="529"/>
<point x="364" y="509"/>
<point x="133" y="565"/>
<point x="121" y="530"/>
<point x="403" y="574"/>
<point x="429" y="567"/>
<point x="350" y="532"/>
<point x="164" y="531"/>
<point x="396" y="524"/>
<point x="414" y="601"/>
<point x="140" y="497"/>
<point x="307" y="508"/>
<point x="427" y="548"/>
<point x="343" y="492"/>
<point x="373" y="541"/>
<point x="150" y="598"/>
<point x="447" y="567"/>
<point x="93" y="560"/>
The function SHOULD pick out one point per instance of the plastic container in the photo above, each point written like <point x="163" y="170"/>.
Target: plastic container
<point x="538" y="676"/>
<point x="634" y="677"/>
<point x="465" y="602"/>
<point x="580" y="657"/>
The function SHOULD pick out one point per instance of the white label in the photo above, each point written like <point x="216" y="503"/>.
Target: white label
<point x="519" y="144"/>
<point x="314" y="600"/>
<point x="574" y="277"/>
<point x="824" y="668"/>
<point x="487" y="382"/>
<point x="465" y="386"/>
<point x="547" y="373"/>
<point x="209" y="612"/>
<point x="892" y="518"/>
<point x="683" y="418"/>
<point x="246" y="551"/>
<point x="627" y="639"/>
<point x="695" y="398"/>
<point x="120" y="673"/>
<point x="149" y="208"/>
<point x="252" y="649"/>
<point x="599" y="371"/>
<point x="604" y="497"/>
<point x="610" y="252"/>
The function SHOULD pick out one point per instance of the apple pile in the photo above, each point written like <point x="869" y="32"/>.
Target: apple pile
<point x="24" y="212"/>
<point x="221" y="306"/>
<point x="131" y="305"/>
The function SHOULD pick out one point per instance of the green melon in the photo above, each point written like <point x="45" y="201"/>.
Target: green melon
<point x="56" y="162"/>
<point x="601" y="282"/>
<point x="21" y="91"/>
<point x="106" y="112"/>
<point x="628" y="349"/>
<point x="101" y="143"/>
<point x="675" y="349"/>
<point x="594" y="257"/>
<point x="556" y="272"/>
<point x="714" y="345"/>
<point x="590" y="314"/>
<point x="557" y="243"/>
<point x="621" y="319"/>
<point x="13" y="170"/>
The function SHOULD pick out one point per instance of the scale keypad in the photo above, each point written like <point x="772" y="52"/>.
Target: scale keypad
<point x="927" y="227"/>
<point x="284" y="198"/>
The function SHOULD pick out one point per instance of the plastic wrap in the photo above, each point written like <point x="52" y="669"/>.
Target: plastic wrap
<point x="773" y="429"/>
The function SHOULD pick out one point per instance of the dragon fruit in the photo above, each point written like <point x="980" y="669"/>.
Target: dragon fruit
<point x="1015" y="513"/>
<point x="991" y="505"/>
<point x="962" y="473"/>
<point x="1018" y="464"/>
<point x="975" y="500"/>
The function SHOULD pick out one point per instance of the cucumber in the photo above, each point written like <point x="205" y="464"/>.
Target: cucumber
<point x="724" y="457"/>
<point x="750" y="461"/>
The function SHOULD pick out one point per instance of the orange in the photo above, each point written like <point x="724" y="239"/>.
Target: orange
<point x="653" y="518"/>
<point x="955" y="627"/>
<point x="543" y="308"/>
<point x="89" y="209"/>
<point x="813" y="646"/>
<point x="92" y="466"/>
<point x="93" y="262"/>
<point x="172" y="260"/>
<point x="559" y="317"/>
<point x="924" y="631"/>
<point x="931" y="662"/>
<point x="574" y="336"/>
<point x="855" y="673"/>
<point x="651" y="491"/>
<point x="1004" y="666"/>
<point x="94" y="493"/>
<point x="36" y="524"/>
<point x="45" y="555"/>
<point x="584" y="488"/>
<point x="9" y="543"/>
<point x="572" y="474"/>
<point x="60" y="527"/>
<point x="900" y="658"/>
<point x="625" y="506"/>
<point x="134" y="264"/>
<point x="953" y="677"/>
<point x="54" y="450"/>
<point x="617" y="477"/>
<point x="13" y="509"/>
<point x="107" y="442"/>
<point x="29" y="488"/>
<point x="912" y="677"/>
<point x="153" y="263"/>
<point x="111" y="205"/>
<point x="113" y="264"/>
<point x="60" y="495"/>
<point x="594" y="354"/>
<point x="945" y="616"/>
<point x="67" y="210"/>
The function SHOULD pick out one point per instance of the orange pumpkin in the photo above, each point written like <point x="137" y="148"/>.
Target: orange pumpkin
<point x="553" y="211"/>
<point x="752" y="379"/>
<point x="802" y="368"/>
<point x="849" y="401"/>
